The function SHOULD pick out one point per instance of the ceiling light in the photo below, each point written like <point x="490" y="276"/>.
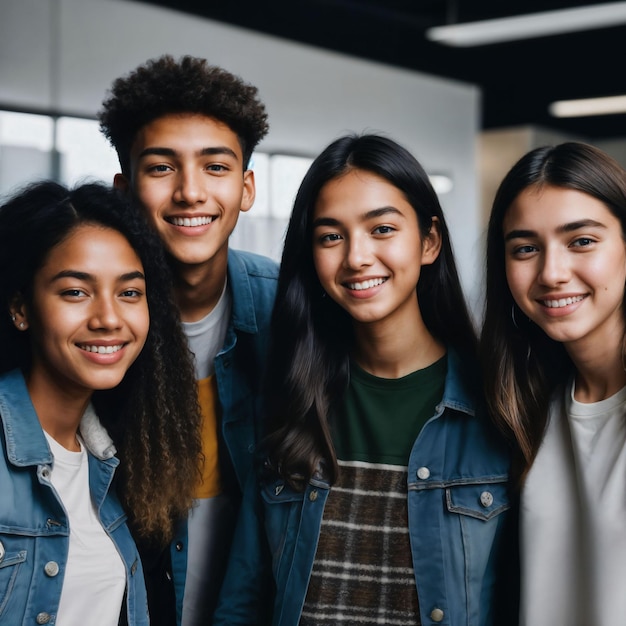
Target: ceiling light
<point x="588" y="106"/>
<point x="530" y="25"/>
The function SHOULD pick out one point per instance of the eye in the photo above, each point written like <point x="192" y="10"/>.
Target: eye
<point x="582" y="242"/>
<point x="73" y="293"/>
<point x="160" y="168"/>
<point x="330" y="237"/>
<point x="523" y="250"/>
<point x="217" y="167"/>
<point x="131" y="293"/>
<point x="384" y="229"/>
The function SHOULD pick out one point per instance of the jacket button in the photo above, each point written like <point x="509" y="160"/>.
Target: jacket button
<point x="51" y="568"/>
<point x="486" y="499"/>
<point x="2" y="551"/>
<point x="179" y="546"/>
<point x="436" y="615"/>
<point x="313" y="495"/>
<point x="45" y="473"/>
<point x="43" y="618"/>
<point x="423" y="473"/>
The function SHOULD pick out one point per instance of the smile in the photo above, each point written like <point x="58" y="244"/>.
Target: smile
<point x="190" y="221"/>
<point x="101" y="349"/>
<point x="557" y="304"/>
<point x="366" y="284"/>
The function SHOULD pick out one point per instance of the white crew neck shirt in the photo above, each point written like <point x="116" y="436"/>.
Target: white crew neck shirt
<point x="573" y="517"/>
<point x="95" y="576"/>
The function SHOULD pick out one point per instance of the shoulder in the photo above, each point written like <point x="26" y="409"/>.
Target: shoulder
<point x="252" y="264"/>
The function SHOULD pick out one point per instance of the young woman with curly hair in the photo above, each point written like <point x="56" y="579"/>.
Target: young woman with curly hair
<point x="93" y="360"/>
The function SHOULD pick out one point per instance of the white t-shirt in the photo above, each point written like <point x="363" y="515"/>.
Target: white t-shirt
<point x="95" y="576"/>
<point x="573" y="517"/>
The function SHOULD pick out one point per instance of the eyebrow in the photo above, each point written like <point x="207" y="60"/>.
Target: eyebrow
<point x="564" y="228"/>
<point x="162" y="151"/>
<point x="331" y="221"/>
<point x="85" y="276"/>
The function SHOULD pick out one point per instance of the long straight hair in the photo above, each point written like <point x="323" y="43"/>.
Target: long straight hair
<point x="521" y="365"/>
<point x="312" y="336"/>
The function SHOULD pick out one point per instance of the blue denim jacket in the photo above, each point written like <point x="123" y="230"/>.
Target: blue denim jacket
<point x="252" y="280"/>
<point x="34" y="529"/>
<point x="458" y="502"/>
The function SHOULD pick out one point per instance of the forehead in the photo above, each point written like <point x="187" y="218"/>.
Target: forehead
<point x="185" y="132"/>
<point x="92" y="244"/>
<point x="546" y="207"/>
<point x="359" y="191"/>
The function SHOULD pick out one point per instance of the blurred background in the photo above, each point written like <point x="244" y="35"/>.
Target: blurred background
<point x="467" y="85"/>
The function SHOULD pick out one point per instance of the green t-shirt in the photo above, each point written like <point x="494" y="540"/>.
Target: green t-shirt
<point x="382" y="417"/>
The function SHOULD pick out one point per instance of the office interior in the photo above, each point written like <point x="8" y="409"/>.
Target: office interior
<point x="58" y="58"/>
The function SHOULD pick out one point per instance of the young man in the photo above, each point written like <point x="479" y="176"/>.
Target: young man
<point x="184" y="132"/>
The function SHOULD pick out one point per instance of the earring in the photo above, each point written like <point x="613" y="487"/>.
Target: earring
<point x="21" y="325"/>
<point x="13" y="318"/>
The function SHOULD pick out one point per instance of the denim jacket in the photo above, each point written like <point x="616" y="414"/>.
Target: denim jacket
<point x="34" y="528"/>
<point x="458" y="504"/>
<point x="252" y="280"/>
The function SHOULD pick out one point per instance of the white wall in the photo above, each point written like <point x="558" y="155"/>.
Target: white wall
<point x="63" y="54"/>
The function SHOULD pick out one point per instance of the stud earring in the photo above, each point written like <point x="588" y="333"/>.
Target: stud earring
<point x="21" y="325"/>
<point x="13" y="318"/>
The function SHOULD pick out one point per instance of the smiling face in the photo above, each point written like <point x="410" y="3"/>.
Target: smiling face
<point x="368" y="250"/>
<point x="88" y="319"/>
<point x="565" y="261"/>
<point x="187" y="173"/>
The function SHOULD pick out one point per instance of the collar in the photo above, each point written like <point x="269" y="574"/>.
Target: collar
<point x="460" y="389"/>
<point x="243" y="313"/>
<point x="25" y="441"/>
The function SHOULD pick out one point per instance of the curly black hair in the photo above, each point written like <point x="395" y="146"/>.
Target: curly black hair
<point x="152" y="415"/>
<point x="164" y="85"/>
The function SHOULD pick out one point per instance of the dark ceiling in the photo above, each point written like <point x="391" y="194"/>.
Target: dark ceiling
<point x="518" y="79"/>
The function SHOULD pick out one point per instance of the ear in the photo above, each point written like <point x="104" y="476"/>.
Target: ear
<point x="431" y="244"/>
<point x="249" y="190"/>
<point x="121" y="183"/>
<point x="18" y="312"/>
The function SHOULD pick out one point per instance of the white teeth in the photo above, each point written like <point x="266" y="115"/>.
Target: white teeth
<point x="102" y="349"/>
<point x="367" y="284"/>
<point x="191" y="221"/>
<point x="557" y="304"/>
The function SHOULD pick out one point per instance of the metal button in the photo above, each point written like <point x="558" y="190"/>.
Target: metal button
<point x="45" y="473"/>
<point x="423" y="473"/>
<point x="43" y="618"/>
<point x="486" y="499"/>
<point x="2" y="551"/>
<point x="436" y="615"/>
<point x="313" y="495"/>
<point x="179" y="546"/>
<point x="51" y="568"/>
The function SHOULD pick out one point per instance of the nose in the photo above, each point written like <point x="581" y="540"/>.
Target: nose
<point x="358" y="253"/>
<point x="105" y="314"/>
<point x="190" y="188"/>
<point x="554" y="269"/>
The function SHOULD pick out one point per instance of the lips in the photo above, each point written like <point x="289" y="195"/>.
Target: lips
<point x="366" y="284"/>
<point x="101" y="349"/>
<point x="561" y="302"/>
<point x="202" y="220"/>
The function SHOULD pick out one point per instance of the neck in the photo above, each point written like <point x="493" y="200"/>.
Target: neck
<point x="599" y="373"/>
<point x="59" y="411"/>
<point x="197" y="289"/>
<point x="388" y="352"/>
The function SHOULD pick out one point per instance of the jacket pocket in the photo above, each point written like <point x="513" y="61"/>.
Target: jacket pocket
<point x="481" y="501"/>
<point x="10" y="562"/>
